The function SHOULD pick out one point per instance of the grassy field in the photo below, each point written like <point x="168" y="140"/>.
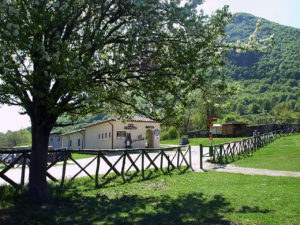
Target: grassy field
<point x="283" y="154"/>
<point x="188" y="199"/>
<point x="81" y="156"/>
<point x="203" y="141"/>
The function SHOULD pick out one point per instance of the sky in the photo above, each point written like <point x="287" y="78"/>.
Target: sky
<point x="285" y="12"/>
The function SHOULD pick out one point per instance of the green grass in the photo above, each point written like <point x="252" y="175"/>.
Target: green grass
<point x="81" y="156"/>
<point x="188" y="199"/>
<point x="282" y="154"/>
<point x="203" y="141"/>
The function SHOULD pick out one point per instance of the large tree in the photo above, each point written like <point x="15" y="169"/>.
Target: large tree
<point x="64" y="56"/>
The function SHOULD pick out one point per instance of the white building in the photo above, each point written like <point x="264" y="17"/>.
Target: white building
<point x="115" y="134"/>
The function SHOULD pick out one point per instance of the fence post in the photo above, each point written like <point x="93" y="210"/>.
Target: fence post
<point x="143" y="164"/>
<point x="66" y="156"/>
<point x="201" y="156"/>
<point x="178" y="157"/>
<point x="190" y="157"/>
<point x="23" y="168"/>
<point x="221" y="152"/>
<point x="161" y="160"/>
<point x="97" y="169"/>
<point x="123" y="165"/>
<point x="212" y="153"/>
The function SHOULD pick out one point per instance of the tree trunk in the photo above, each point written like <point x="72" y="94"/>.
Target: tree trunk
<point x="38" y="189"/>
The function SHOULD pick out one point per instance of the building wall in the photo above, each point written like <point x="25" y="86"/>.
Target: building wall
<point x="228" y="129"/>
<point x="73" y="140"/>
<point x="98" y="136"/>
<point x="137" y="131"/>
<point x="55" y="141"/>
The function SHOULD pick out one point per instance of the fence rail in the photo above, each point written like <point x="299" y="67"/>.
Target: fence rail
<point x="117" y="161"/>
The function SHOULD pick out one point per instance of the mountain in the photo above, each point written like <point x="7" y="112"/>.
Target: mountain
<point x="282" y="61"/>
<point x="270" y="81"/>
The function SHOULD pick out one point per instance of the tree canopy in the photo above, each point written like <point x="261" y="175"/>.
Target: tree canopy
<point x="66" y="55"/>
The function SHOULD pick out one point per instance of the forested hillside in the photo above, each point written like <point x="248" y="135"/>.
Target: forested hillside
<point x="270" y="82"/>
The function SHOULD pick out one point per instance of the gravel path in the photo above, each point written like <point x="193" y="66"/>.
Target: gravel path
<point x="252" y="171"/>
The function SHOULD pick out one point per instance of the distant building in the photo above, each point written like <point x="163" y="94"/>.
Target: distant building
<point x="114" y="134"/>
<point x="217" y="129"/>
<point x="234" y="128"/>
<point x="55" y="140"/>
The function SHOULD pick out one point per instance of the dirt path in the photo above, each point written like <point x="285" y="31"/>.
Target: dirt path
<point x="252" y="171"/>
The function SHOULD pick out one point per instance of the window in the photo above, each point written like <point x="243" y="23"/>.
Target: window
<point x="105" y="135"/>
<point x="78" y="142"/>
<point x="58" y="139"/>
<point x="109" y="135"/>
<point x="121" y="134"/>
<point x="99" y="136"/>
<point x="102" y="135"/>
<point x="70" y="143"/>
<point x="51" y="139"/>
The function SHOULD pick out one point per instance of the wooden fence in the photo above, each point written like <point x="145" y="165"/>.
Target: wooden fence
<point x="125" y="160"/>
<point x="229" y="152"/>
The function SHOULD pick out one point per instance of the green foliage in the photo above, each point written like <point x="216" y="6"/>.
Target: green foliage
<point x="229" y="117"/>
<point x="281" y="61"/>
<point x="171" y="133"/>
<point x="15" y="138"/>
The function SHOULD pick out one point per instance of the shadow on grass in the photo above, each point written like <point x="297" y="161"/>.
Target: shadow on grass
<point x="128" y="209"/>
<point x="82" y="203"/>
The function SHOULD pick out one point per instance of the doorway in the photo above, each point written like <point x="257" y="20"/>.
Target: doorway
<point x="150" y="138"/>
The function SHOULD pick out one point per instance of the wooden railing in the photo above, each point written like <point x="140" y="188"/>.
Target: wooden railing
<point x="117" y="161"/>
<point x="229" y="152"/>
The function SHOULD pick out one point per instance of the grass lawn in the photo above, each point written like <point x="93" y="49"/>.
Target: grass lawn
<point x="283" y="154"/>
<point x="188" y="199"/>
<point x="81" y="156"/>
<point x="203" y="141"/>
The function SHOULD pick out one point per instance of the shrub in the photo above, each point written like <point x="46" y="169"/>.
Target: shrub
<point x="171" y="133"/>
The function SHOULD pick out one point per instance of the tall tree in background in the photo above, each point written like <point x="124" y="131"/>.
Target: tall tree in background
<point x="64" y="56"/>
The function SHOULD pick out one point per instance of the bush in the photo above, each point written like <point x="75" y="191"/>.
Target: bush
<point x="164" y="135"/>
<point x="171" y="133"/>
